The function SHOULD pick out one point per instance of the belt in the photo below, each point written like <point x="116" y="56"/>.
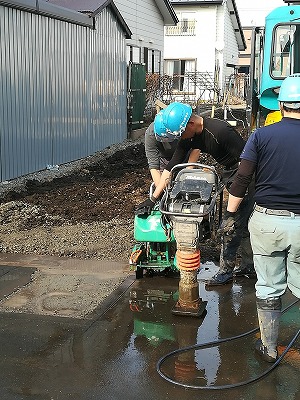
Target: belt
<point x="282" y="213"/>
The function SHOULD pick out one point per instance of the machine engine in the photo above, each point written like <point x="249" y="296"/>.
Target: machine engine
<point x="184" y="217"/>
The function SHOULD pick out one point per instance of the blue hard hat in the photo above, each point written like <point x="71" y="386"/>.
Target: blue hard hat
<point x="290" y="91"/>
<point x="159" y="127"/>
<point x="175" y="118"/>
<point x="160" y="130"/>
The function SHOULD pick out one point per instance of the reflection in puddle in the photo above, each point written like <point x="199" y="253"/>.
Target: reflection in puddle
<point x="115" y="355"/>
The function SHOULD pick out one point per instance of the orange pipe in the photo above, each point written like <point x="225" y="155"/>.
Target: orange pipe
<point x="188" y="261"/>
<point x="185" y="371"/>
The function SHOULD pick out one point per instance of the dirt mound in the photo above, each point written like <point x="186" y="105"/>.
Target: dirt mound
<point x="104" y="190"/>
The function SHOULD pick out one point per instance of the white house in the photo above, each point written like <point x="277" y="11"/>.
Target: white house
<point x="202" y="51"/>
<point x="146" y="20"/>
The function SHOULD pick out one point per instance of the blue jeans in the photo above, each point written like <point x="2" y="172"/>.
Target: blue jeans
<point x="275" y="242"/>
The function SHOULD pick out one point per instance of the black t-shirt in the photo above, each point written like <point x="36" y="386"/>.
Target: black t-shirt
<point x="275" y="151"/>
<point x="218" y="138"/>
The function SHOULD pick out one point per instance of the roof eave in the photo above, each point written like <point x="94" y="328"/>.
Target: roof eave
<point x="116" y="12"/>
<point x="44" y="8"/>
<point x="197" y="2"/>
<point x="167" y="11"/>
<point x="235" y="19"/>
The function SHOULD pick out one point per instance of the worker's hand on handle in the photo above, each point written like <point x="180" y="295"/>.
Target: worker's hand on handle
<point x="162" y="184"/>
<point x="228" y="223"/>
<point x="145" y="207"/>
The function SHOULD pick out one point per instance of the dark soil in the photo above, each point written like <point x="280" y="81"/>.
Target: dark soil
<point x="108" y="189"/>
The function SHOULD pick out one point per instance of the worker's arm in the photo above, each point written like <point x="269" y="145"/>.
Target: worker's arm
<point x="164" y="178"/>
<point x="194" y="156"/>
<point x="152" y="154"/>
<point x="240" y="184"/>
<point x="233" y="203"/>
<point x="155" y="174"/>
<point x="178" y="157"/>
<point x="146" y="206"/>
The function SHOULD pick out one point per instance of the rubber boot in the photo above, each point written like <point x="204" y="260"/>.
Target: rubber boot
<point x="269" y="313"/>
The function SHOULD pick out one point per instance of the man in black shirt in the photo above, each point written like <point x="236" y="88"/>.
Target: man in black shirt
<point x="223" y="142"/>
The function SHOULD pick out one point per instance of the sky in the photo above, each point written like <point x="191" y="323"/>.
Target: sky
<point x="253" y="12"/>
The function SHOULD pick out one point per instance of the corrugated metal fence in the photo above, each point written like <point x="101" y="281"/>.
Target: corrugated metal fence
<point x="62" y="90"/>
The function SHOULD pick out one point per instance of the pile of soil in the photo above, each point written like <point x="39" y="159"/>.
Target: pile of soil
<point x="84" y="211"/>
<point x="106" y="189"/>
<point x="88" y="213"/>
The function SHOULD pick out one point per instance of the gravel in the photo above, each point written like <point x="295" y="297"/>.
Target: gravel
<point x="29" y="228"/>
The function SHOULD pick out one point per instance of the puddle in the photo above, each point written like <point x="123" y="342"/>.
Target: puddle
<point x="115" y="355"/>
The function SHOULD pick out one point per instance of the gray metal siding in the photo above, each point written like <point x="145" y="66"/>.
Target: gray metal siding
<point x="231" y="50"/>
<point x="145" y="22"/>
<point x="62" y="90"/>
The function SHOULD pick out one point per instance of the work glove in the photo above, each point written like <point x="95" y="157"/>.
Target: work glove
<point x="145" y="207"/>
<point x="228" y="223"/>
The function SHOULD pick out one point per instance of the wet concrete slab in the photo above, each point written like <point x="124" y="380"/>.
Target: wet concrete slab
<point x="113" y="353"/>
<point x="63" y="287"/>
<point x="12" y="278"/>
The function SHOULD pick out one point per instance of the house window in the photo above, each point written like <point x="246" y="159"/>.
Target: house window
<point x="185" y="27"/>
<point x="285" y="53"/>
<point x="152" y="60"/>
<point x="182" y="73"/>
<point x="146" y="58"/>
<point x="150" y="57"/>
<point x="133" y="54"/>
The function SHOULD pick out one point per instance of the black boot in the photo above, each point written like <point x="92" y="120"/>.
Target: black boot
<point x="221" y="278"/>
<point x="247" y="271"/>
<point x="224" y="275"/>
<point x="269" y="312"/>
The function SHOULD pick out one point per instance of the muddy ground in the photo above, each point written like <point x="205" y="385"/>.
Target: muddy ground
<point x="86" y="211"/>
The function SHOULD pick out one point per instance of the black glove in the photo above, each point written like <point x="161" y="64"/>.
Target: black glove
<point x="145" y="207"/>
<point x="228" y="223"/>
